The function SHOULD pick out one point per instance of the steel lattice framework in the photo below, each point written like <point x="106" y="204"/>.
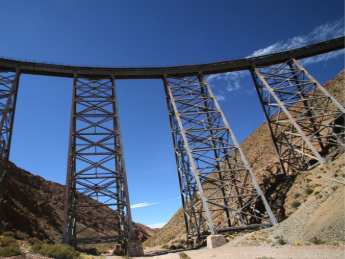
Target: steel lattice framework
<point x="305" y="121"/>
<point x="218" y="189"/>
<point x="96" y="176"/>
<point x="9" y="82"/>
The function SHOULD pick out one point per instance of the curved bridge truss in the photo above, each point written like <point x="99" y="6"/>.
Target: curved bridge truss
<point x="218" y="188"/>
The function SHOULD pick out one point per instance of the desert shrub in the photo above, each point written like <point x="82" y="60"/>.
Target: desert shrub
<point x="190" y="244"/>
<point x="34" y="240"/>
<point x="309" y="191"/>
<point x="281" y="241"/>
<point x="8" y="234"/>
<point x="127" y="256"/>
<point x="316" y="241"/>
<point x="165" y="247"/>
<point x="20" y="235"/>
<point x="36" y="247"/>
<point x="9" y="251"/>
<point x="296" y="204"/>
<point x="297" y="195"/>
<point x="180" y="247"/>
<point x="91" y="251"/>
<point x="120" y="252"/>
<point x="316" y="193"/>
<point x="172" y="247"/>
<point x="183" y="255"/>
<point x="297" y="244"/>
<point x="59" y="251"/>
<point x="8" y="241"/>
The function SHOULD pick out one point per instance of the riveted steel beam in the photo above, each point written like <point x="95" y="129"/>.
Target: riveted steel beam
<point x="9" y="83"/>
<point x="306" y="123"/>
<point x="97" y="207"/>
<point x="218" y="189"/>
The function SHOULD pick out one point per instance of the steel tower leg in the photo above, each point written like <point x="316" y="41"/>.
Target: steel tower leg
<point x="218" y="189"/>
<point x="9" y="83"/>
<point x="305" y="121"/>
<point x="97" y="207"/>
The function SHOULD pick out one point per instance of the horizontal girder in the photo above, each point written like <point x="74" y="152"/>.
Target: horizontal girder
<point x="172" y="71"/>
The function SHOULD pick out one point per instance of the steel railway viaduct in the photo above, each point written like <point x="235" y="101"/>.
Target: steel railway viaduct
<point x="218" y="188"/>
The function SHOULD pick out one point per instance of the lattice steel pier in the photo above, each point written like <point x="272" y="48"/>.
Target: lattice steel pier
<point x="305" y="121"/>
<point x="218" y="189"/>
<point x="96" y="174"/>
<point x="9" y="83"/>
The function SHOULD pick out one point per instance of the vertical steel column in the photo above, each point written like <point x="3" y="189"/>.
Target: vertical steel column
<point x="305" y="121"/>
<point x="218" y="189"/>
<point x="9" y="83"/>
<point x="97" y="207"/>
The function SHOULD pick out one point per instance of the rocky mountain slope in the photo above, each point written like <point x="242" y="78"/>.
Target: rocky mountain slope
<point x="260" y="153"/>
<point x="35" y="206"/>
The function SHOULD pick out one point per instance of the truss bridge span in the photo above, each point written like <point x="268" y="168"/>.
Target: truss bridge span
<point x="219" y="190"/>
<point x="52" y="69"/>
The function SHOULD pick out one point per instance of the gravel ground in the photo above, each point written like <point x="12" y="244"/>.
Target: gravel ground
<point x="276" y="252"/>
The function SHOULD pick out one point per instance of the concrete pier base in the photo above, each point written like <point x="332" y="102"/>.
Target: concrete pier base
<point x="214" y="241"/>
<point x="134" y="247"/>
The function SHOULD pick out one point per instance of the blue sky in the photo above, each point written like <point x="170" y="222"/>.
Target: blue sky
<point x="136" y="33"/>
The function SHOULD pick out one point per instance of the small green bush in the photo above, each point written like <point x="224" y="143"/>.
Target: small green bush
<point x="183" y="255"/>
<point x="296" y="204"/>
<point x="8" y="234"/>
<point x="127" y="257"/>
<point x="36" y="247"/>
<point x="59" y="251"/>
<point x="172" y="247"/>
<point x="180" y="247"/>
<point x="20" y="235"/>
<point x="8" y="241"/>
<point x="90" y="251"/>
<point x="297" y="195"/>
<point x="9" y="251"/>
<point x="165" y="247"/>
<point x="34" y="240"/>
<point x="120" y="252"/>
<point x="316" y="241"/>
<point x="309" y="191"/>
<point x="281" y="241"/>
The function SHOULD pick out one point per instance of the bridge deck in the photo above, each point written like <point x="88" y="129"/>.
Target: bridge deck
<point x="178" y="71"/>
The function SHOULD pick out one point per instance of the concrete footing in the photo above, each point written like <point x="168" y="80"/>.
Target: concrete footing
<point x="134" y="247"/>
<point x="214" y="241"/>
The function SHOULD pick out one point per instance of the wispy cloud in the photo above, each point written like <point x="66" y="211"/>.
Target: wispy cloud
<point x="157" y="225"/>
<point x="231" y="81"/>
<point x="140" y="205"/>
<point x="323" y="57"/>
<point x="220" y="97"/>
<point x="320" y="33"/>
<point x="176" y="198"/>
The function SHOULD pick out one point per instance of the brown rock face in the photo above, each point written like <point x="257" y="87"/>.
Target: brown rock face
<point x="35" y="206"/>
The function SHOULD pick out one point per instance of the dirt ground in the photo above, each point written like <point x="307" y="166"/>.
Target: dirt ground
<point x="275" y="252"/>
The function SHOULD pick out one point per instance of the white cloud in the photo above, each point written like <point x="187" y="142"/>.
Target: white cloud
<point x="323" y="57"/>
<point x="157" y="225"/>
<point x="320" y="33"/>
<point x="139" y="205"/>
<point x="250" y="92"/>
<point x="176" y="198"/>
<point x="220" y="97"/>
